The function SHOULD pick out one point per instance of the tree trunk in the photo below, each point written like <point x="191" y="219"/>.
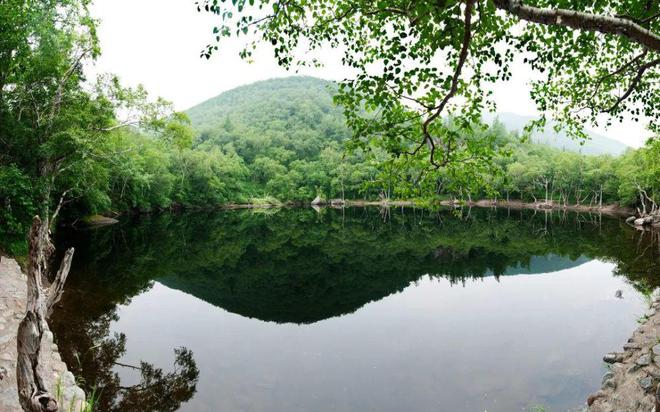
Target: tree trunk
<point x="342" y="190"/>
<point x="32" y="392"/>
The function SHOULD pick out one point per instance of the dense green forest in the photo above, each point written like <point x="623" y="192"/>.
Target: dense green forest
<point x="291" y="139"/>
<point x="283" y="140"/>
<point x="82" y="146"/>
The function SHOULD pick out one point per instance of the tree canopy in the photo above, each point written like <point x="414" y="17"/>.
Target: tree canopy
<point x="86" y="146"/>
<point x="417" y="62"/>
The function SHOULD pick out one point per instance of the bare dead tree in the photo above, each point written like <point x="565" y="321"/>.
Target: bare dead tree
<point x="42" y="295"/>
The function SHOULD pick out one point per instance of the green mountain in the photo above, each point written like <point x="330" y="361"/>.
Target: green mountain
<point x="596" y="145"/>
<point x="284" y="138"/>
<point x="288" y="134"/>
<point x="296" y="113"/>
<point x="290" y="118"/>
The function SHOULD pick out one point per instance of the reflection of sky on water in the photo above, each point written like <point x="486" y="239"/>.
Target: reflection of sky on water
<point x="496" y="345"/>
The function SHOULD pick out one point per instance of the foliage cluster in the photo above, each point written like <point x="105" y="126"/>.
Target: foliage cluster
<point x="86" y="146"/>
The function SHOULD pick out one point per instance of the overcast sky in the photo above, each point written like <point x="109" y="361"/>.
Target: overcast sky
<point x="157" y="43"/>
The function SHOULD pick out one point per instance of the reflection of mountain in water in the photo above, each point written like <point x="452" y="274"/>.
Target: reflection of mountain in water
<point x="544" y="264"/>
<point x="299" y="266"/>
<point x="313" y="292"/>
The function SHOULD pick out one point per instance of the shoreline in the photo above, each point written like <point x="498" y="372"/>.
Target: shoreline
<point x="631" y="383"/>
<point x="58" y="379"/>
<point x="609" y="209"/>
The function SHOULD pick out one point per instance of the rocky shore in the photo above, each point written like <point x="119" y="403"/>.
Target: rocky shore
<point x="59" y="380"/>
<point x="634" y="373"/>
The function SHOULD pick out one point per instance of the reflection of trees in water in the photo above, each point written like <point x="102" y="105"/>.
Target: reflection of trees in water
<point x="93" y="356"/>
<point x="157" y="390"/>
<point x="641" y="266"/>
<point x="302" y="266"/>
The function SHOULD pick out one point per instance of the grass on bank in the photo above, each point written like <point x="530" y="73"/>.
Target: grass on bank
<point x="89" y="405"/>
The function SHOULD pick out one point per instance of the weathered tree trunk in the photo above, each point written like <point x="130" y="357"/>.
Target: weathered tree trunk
<point x="32" y="392"/>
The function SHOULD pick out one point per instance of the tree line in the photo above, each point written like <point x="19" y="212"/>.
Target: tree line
<point x="82" y="146"/>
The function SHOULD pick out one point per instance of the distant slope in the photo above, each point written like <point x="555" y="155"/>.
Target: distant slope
<point x="292" y="113"/>
<point x="286" y="92"/>
<point x="297" y="114"/>
<point x="597" y="145"/>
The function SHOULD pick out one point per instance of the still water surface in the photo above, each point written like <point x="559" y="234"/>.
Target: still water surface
<point x="351" y="311"/>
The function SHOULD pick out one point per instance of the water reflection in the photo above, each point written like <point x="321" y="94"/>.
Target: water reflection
<point x="303" y="267"/>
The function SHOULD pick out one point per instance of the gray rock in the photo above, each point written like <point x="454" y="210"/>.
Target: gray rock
<point x="634" y="368"/>
<point x="73" y="394"/>
<point x="631" y="346"/>
<point x="99" y="220"/>
<point x="608" y="375"/>
<point x="650" y="313"/>
<point x="643" y="360"/>
<point x="6" y="357"/>
<point x="656" y="296"/>
<point x="79" y="393"/>
<point x="656" y="349"/>
<point x="646" y="383"/>
<point x="609" y="384"/>
<point x="612" y="357"/>
<point x="3" y="373"/>
<point x="59" y="367"/>
<point x="68" y="379"/>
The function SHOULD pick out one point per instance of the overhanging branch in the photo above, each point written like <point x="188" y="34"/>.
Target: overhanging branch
<point x="582" y="21"/>
<point x="462" y="57"/>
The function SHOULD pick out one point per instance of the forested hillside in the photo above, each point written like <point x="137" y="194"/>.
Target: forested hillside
<point x="283" y="140"/>
<point x="290" y="136"/>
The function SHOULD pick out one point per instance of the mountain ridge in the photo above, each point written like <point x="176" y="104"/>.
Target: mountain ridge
<point x="316" y="96"/>
<point x="597" y="144"/>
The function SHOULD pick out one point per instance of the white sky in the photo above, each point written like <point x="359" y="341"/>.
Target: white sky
<point x="157" y="43"/>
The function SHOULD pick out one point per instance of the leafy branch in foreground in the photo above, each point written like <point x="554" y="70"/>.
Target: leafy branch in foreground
<point x="417" y="62"/>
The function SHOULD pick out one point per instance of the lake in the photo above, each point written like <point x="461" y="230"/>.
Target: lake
<point x="360" y="309"/>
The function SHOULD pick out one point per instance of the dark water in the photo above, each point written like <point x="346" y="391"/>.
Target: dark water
<point x="355" y="310"/>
